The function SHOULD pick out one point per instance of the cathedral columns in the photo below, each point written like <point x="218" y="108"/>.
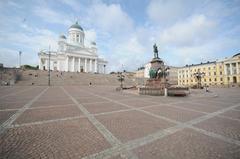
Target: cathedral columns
<point x="90" y="70"/>
<point x="73" y="64"/>
<point x="95" y="66"/>
<point x="66" y="65"/>
<point x="79" y="64"/>
<point x="40" y="64"/>
<point x="85" y="68"/>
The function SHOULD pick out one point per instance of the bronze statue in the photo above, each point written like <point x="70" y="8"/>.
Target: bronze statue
<point x="155" y="50"/>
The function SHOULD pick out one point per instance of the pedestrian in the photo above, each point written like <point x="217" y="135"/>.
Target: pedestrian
<point x="207" y="89"/>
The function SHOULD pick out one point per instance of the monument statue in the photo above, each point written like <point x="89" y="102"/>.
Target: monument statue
<point x="155" y="50"/>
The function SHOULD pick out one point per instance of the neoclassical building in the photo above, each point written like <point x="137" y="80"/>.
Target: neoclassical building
<point x="72" y="55"/>
<point x="216" y="73"/>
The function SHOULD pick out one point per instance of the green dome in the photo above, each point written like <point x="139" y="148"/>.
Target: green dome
<point x="76" y="26"/>
<point x="62" y="37"/>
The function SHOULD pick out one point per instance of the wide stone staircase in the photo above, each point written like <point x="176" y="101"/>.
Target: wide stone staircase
<point x="38" y="77"/>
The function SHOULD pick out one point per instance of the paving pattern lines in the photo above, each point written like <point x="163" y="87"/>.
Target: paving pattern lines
<point x="20" y="111"/>
<point x="100" y="127"/>
<point x="17" y="92"/>
<point x="162" y="133"/>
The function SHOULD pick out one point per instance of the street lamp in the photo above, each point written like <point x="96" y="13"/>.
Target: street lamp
<point x="121" y="79"/>
<point x="199" y="75"/>
<point x="20" y="53"/>
<point x="49" y="66"/>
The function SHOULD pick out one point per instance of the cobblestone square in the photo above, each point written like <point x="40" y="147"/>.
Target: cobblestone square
<point x="101" y="107"/>
<point x="99" y="122"/>
<point x="188" y="144"/>
<point x="43" y="114"/>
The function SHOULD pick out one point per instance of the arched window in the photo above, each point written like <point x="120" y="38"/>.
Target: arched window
<point x="77" y="37"/>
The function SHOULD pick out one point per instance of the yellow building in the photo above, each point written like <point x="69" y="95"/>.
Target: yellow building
<point x="216" y="73"/>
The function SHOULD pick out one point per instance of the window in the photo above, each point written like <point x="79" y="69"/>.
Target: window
<point x="220" y="72"/>
<point x="221" y="79"/>
<point x="209" y="68"/>
<point x="215" y="79"/>
<point x="210" y="79"/>
<point x="205" y="80"/>
<point x="209" y="73"/>
<point x="214" y="73"/>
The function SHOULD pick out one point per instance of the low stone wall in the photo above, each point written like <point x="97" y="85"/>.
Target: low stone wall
<point x="151" y="91"/>
<point x="178" y="91"/>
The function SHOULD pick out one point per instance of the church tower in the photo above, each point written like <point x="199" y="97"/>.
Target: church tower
<point x="76" y="34"/>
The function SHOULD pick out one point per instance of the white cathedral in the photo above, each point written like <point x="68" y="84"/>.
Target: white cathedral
<point x="72" y="55"/>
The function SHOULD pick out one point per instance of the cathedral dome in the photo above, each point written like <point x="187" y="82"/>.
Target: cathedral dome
<point x="76" y="26"/>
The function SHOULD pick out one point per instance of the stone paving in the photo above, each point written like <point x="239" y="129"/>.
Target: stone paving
<point x="99" y="122"/>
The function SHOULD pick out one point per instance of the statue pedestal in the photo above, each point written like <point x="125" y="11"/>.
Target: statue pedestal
<point x="155" y="87"/>
<point x="156" y="63"/>
<point x="156" y="83"/>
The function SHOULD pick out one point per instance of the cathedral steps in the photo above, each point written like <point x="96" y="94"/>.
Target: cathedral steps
<point x="40" y="78"/>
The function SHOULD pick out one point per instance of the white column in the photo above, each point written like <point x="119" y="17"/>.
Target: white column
<point x="95" y="66"/>
<point x="225" y="69"/>
<point x="90" y="65"/>
<point x="73" y="64"/>
<point x="58" y="65"/>
<point x="79" y="64"/>
<point x="66" y="64"/>
<point x="40" y="64"/>
<point x="237" y="68"/>
<point x="231" y="71"/>
<point x="85" y="68"/>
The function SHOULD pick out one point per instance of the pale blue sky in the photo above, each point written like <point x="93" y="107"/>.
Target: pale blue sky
<point x="186" y="31"/>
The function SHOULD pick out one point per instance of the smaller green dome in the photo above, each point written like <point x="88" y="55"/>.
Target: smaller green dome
<point x="62" y="37"/>
<point x="76" y="26"/>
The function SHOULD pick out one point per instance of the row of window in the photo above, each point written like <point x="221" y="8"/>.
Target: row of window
<point x="205" y="80"/>
<point x="204" y="69"/>
<point x="209" y="74"/>
<point x="76" y="37"/>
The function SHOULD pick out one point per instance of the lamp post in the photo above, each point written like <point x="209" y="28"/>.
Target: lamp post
<point x="20" y="53"/>
<point x="49" y="66"/>
<point x="121" y="79"/>
<point x="199" y="75"/>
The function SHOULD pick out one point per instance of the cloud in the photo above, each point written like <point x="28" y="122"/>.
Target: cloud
<point x="29" y="40"/>
<point x="51" y="16"/>
<point x="90" y="36"/>
<point x="162" y="11"/>
<point x="11" y="59"/>
<point x="193" y="31"/>
<point x="110" y="18"/>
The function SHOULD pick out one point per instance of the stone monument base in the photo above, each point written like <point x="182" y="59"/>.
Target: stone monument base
<point x="155" y="87"/>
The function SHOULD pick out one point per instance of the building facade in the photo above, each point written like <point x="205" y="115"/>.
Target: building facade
<point x="72" y="54"/>
<point x="216" y="73"/>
